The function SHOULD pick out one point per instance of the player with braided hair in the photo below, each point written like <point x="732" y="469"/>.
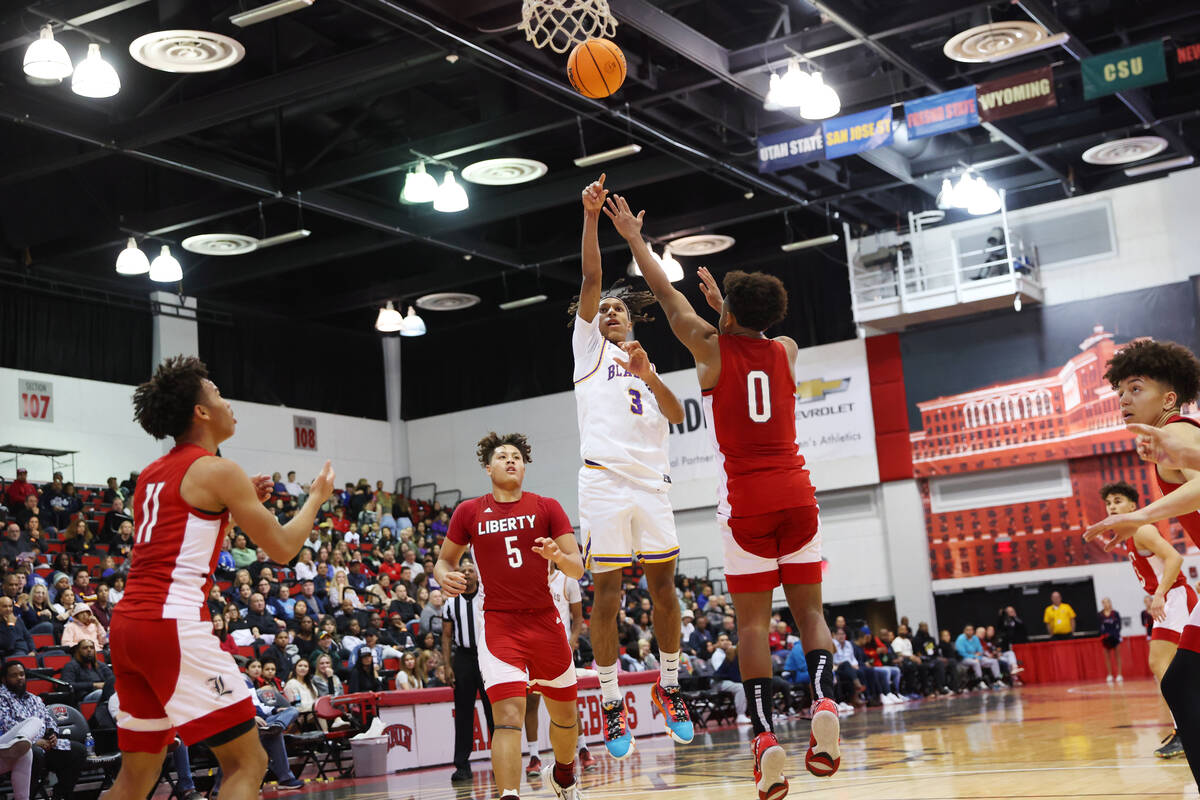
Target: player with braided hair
<point x="624" y="513"/>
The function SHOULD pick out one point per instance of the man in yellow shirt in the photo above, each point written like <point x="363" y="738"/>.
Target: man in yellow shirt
<point x="1059" y="618"/>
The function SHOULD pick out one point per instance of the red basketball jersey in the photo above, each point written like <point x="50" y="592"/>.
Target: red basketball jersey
<point x="1149" y="572"/>
<point x="1189" y="521"/>
<point x="175" y="546"/>
<point x="751" y="416"/>
<point x="501" y="536"/>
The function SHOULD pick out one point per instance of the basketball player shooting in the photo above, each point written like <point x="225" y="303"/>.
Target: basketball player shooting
<point x="522" y="643"/>
<point x="184" y="683"/>
<point x="767" y="508"/>
<point x="1153" y="381"/>
<point x="624" y="512"/>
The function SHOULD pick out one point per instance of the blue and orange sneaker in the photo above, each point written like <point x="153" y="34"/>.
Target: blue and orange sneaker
<point x="617" y="737"/>
<point x="769" y="759"/>
<point x="824" y="754"/>
<point x="675" y="714"/>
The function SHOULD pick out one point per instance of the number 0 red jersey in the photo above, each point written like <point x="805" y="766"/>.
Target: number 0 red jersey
<point x="501" y="536"/>
<point x="175" y="546"/>
<point x="751" y="416"/>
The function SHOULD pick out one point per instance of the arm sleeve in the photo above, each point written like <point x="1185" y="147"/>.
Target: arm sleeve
<point x="585" y="337"/>
<point x="459" y="531"/>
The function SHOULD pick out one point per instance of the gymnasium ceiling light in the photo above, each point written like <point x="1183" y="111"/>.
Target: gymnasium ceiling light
<point x="608" y="155"/>
<point x="131" y="260"/>
<point x="269" y="11"/>
<point x="667" y="261"/>
<point x="419" y="186"/>
<point x="807" y="92"/>
<point x="412" y="325"/>
<point x="1170" y="163"/>
<point x="532" y="300"/>
<point x="389" y="319"/>
<point x="450" y="197"/>
<point x="94" y="77"/>
<point x="971" y="193"/>
<point x="791" y="247"/>
<point x="46" y="59"/>
<point x="164" y="268"/>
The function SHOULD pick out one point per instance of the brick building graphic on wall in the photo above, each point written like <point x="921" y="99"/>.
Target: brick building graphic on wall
<point x="988" y="444"/>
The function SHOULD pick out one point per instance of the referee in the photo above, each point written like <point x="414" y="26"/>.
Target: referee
<point x="462" y="671"/>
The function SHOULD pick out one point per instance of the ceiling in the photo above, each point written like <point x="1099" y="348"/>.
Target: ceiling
<point x="331" y="104"/>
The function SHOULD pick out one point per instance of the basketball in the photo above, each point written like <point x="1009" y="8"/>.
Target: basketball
<point x="596" y="68"/>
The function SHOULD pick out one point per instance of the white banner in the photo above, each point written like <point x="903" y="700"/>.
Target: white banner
<point x="834" y="422"/>
<point x="422" y="735"/>
<point x="36" y="400"/>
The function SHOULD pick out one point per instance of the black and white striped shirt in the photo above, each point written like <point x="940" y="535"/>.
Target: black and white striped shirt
<point x="460" y="613"/>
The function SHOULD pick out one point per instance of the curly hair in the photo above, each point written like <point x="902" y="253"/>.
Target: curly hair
<point x="636" y="302"/>
<point x="163" y="405"/>
<point x="1168" y="363"/>
<point x="489" y="443"/>
<point x="757" y="299"/>
<point x="1119" y="487"/>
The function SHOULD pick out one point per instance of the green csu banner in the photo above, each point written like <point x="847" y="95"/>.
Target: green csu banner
<point x="1129" y="68"/>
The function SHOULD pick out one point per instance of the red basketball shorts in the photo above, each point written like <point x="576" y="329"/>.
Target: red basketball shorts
<point x="765" y="550"/>
<point x="525" y="650"/>
<point x="173" y="677"/>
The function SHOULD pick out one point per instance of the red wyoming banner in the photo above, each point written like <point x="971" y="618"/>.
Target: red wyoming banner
<point x="1016" y="94"/>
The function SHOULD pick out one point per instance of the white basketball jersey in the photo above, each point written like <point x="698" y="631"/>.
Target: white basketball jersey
<point x="620" y="426"/>
<point x="565" y="591"/>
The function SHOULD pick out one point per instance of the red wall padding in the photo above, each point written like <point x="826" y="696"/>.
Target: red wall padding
<point x="890" y="407"/>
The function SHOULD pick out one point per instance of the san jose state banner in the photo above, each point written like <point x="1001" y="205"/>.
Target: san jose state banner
<point x="857" y="133"/>
<point x="941" y="113"/>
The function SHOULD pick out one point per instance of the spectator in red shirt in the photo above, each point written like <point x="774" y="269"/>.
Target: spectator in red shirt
<point x="19" y="489"/>
<point x="389" y="566"/>
<point x="338" y="521"/>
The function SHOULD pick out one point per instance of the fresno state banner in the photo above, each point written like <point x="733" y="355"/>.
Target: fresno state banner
<point x="941" y="113"/>
<point x="1016" y="94"/>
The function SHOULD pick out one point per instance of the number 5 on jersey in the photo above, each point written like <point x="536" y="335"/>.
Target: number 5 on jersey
<point x="514" y="553"/>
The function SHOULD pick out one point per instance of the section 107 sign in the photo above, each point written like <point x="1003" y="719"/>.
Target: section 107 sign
<point x="304" y="432"/>
<point x="36" y="401"/>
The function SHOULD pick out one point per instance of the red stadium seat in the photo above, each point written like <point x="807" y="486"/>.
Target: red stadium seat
<point x="54" y="547"/>
<point x="43" y="641"/>
<point x="30" y="662"/>
<point x="55" y="662"/>
<point x="391" y="664"/>
<point x="90" y="562"/>
<point x="87" y="709"/>
<point x="247" y="651"/>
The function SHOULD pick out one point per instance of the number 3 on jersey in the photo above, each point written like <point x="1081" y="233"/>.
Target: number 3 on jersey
<point x="635" y="407"/>
<point x="758" y="394"/>
<point x="514" y="553"/>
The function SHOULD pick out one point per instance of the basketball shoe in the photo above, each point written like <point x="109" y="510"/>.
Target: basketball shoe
<point x="617" y="737"/>
<point x="586" y="759"/>
<point x="1172" y="746"/>
<point x="675" y="714"/>
<point x="572" y="792"/>
<point x="769" y="759"/>
<point x="824" y="754"/>
<point x="534" y="767"/>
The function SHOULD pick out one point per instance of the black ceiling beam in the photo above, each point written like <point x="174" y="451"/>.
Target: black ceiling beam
<point x="1136" y="100"/>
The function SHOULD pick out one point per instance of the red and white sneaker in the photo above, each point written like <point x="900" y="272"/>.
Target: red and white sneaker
<point x="586" y="759"/>
<point x="824" y="754"/>
<point x="769" y="759"/>
<point x="534" y="768"/>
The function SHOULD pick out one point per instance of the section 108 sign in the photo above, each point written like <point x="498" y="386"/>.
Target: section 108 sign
<point x="304" y="432"/>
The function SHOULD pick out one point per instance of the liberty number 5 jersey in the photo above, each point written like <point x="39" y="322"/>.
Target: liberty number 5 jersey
<point x="501" y="536"/>
<point x="751" y="416"/>
<point x="175" y="546"/>
<point x="621" y="428"/>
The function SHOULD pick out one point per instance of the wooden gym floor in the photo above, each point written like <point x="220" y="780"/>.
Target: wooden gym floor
<point x="1043" y="742"/>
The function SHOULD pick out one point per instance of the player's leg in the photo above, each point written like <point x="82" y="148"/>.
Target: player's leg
<point x="564" y="730"/>
<point x="552" y="673"/>
<point x="509" y="713"/>
<point x="1117" y="655"/>
<point x="532" y="703"/>
<point x="1162" y="652"/>
<point x="138" y="775"/>
<point x="243" y="764"/>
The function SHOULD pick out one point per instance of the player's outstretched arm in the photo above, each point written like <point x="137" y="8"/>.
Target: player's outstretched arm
<point x="593" y="273"/>
<point x="697" y="335"/>
<point x="563" y="551"/>
<point x="1170" y="446"/>
<point x="1147" y="537"/>
<point x="232" y="489"/>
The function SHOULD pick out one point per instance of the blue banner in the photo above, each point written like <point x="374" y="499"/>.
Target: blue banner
<point x="789" y="148"/>
<point x="939" y="113"/>
<point x="866" y="130"/>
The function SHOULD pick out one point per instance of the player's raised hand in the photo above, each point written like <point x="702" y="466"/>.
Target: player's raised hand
<point x="322" y="485"/>
<point x="454" y="584"/>
<point x="625" y="221"/>
<point x="547" y="548"/>
<point x="708" y="285"/>
<point x="264" y="487"/>
<point x="1123" y="526"/>
<point x="594" y="195"/>
<point x="638" y="363"/>
<point x="1164" y="446"/>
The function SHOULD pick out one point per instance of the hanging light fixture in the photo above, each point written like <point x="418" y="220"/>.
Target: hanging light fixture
<point x="787" y="90"/>
<point x="164" y="268"/>
<point x="411" y="324"/>
<point x="945" y="198"/>
<point x="389" y="319"/>
<point x="46" y="59"/>
<point x="671" y="267"/>
<point x="819" y="101"/>
<point x="95" y="77"/>
<point x="419" y="186"/>
<point x="451" y="196"/>
<point x="132" y="261"/>
<point x="971" y="193"/>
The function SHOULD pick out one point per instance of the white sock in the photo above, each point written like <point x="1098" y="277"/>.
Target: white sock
<point x="609" y="689"/>
<point x="509" y="793"/>
<point x="532" y="747"/>
<point x="582" y="741"/>
<point x="668" y="664"/>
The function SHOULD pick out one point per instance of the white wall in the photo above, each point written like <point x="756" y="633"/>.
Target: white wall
<point x="96" y="418"/>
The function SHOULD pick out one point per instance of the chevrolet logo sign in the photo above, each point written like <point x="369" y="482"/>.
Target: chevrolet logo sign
<point x="815" y="390"/>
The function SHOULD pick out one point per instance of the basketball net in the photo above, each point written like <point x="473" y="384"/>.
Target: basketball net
<point x="562" y="24"/>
